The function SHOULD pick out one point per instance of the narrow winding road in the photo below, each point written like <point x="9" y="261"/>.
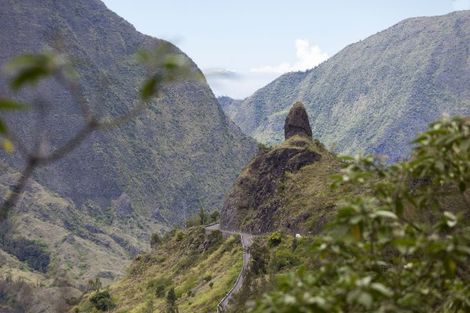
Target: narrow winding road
<point x="246" y="240"/>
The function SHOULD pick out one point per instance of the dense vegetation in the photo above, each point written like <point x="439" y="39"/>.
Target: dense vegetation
<point x="404" y="246"/>
<point x="397" y="241"/>
<point x="187" y="271"/>
<point x="375" y="95"/>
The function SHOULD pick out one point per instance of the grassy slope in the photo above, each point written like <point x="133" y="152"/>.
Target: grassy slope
<point x="187" y="260"/>
<point x="181" y="153"/>
<point x="303" y="199"/>
<point x="306" y="197"/>
<point x="81" y="246"/>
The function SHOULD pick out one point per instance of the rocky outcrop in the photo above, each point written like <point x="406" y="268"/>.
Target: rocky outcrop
<point x="252" y="203"/>
<point x="297" y="122"/>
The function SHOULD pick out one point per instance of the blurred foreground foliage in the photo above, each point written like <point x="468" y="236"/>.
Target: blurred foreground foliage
<point x="404" y="246"/>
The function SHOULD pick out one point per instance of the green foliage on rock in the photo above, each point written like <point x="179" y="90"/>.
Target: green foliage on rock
<point x="280" y="189"/>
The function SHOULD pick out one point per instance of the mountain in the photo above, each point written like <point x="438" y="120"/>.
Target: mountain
<point x="285" y="187"/>
<point x="179" y="154"/>
<point x="279" y="206"/>
<point x="229" y="105"/>
<point x="374" y="95"/>
<point x="93" y="210"/>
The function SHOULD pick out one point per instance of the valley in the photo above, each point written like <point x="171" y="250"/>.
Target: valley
<point x="178" y="201"/>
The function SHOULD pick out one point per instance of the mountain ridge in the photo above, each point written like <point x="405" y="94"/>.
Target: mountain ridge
<point x="374" y="95"/>
<point x="92" y="211"/>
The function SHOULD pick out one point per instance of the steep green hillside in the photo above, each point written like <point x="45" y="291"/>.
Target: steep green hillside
<point x="375" y="95"/>
<point x="398" y="237"/>
<point x="293" y="194"/>
<point x="89" y="214"/>
<point x="179" y="154"/>
<point x="200" y="267"/>
<point x="285" y="187"/>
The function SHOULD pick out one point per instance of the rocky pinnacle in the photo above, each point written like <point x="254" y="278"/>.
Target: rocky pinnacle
<point x="297" y="122"/>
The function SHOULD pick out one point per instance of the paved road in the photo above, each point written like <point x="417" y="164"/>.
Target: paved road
<point x="246" y="240"/>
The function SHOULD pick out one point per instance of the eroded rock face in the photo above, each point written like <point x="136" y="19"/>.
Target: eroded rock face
<point x="255" y="198"/>
<point x="297" y="122"/>
<point x="254" y="192"/>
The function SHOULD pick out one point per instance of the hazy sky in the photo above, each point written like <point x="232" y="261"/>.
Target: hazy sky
<point x="242" y="45"/>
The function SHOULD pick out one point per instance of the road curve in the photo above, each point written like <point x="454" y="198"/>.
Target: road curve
<point x="246" y="240"/>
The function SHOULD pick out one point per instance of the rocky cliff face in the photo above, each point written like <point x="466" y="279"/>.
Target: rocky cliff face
<point x="375" y="95"/>
<point x="257" y="202"/>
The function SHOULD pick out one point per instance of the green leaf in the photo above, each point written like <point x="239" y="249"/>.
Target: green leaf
<point x="356" y="232"/>
<point x="3" y="127"/>
<point x="365" y="299"/>
<point x="7" y="104"/>
<point x="399" y="206"/>
<point x="148" y="88"/>
<point x="28" y="76"/>
<point x="382" y="289"/>
<point x="386" y="214"/>
<point x="8" y="146"/>
<point x="451" y="267"/>
<point x="30" y="68"/>
<point x="451" y="219"/>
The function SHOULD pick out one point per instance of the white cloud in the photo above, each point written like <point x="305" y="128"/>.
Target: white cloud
<point x="221" y="73"/>
<point x="458" y="5"/>
<point x="308" y="56"/>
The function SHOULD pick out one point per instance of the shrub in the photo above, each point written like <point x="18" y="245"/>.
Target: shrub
<point x="155" y="240"/>
<point x="259" y="258"/>
<point x="102" y="300"/>
<point x="159" y="286"/>
<point x="283" y="259"/>
<point x="214" y="216"/>
<point x="171" y="298"/>
<point x="94" y="284"/>
<point x="275" y="239"/>
<point x="179" y="236"/>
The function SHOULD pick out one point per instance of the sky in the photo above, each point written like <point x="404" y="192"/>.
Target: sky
<point x="242" y="45"/>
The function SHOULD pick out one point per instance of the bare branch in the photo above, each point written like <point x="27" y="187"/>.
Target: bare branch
<point x="18" y="188"/>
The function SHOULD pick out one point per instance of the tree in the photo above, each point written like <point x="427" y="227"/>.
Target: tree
<point x="171" y="298"/>
<point x="102" y="300"/>
<point x="403" y="246"/>
<point x="94" y="284"/>
<point x="202" y="216"/>
<point x="155" y="240"/>
<point x="214" y="217"/>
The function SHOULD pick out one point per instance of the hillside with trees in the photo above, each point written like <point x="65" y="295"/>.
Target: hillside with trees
<point x="375" y="95"/>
